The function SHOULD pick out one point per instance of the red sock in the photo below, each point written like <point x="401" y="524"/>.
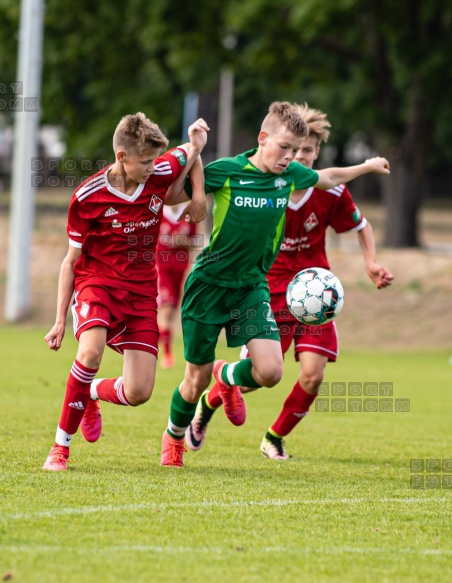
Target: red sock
<point x="76" y="397"/>
<point x="165" y="340"/>
<point x="213" y="398"/>
<point x="295" y="407"/>
<point x="112" y="391"/>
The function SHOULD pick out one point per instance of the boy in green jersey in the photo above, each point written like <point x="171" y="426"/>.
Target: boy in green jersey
<point x="227" y="287"/>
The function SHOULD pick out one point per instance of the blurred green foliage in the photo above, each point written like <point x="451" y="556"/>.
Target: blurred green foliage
<point x="358" y="59"/>
<point x="383" y="67"/>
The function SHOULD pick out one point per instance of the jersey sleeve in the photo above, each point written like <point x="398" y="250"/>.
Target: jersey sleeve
<point x="176" y="152"/>
<point x="303" y="177"/>
<point x="215" y="175"/>
<point x="346" y="215"/>
<point x="176" y="158"/>
<point x="78" y="224"/>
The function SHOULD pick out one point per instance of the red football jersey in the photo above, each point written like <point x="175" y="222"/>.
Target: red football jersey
<point x="118" y="232"/>
<point x="304" y="235"/>
<point x="175" y="240"/>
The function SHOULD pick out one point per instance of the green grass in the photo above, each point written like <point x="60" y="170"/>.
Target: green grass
<point x="341" y="509"/>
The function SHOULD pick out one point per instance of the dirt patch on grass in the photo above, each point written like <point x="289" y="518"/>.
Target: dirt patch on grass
<point x="413" y="313"/>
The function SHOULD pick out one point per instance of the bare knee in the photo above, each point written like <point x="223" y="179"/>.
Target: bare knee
<point x="90" y="356"/>
<point x="268" y="374"/>
<point x="196" y="380"/>
<point x="311" y="381"/>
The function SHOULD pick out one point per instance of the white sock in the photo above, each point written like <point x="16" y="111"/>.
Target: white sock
<point x="63" y="438"/>
<point x="93" y="389"/>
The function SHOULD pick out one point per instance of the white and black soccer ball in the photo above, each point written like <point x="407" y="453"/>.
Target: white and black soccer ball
<point x="315" y="296"/>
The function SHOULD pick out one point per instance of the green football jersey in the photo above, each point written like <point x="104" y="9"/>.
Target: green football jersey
<point x="248" y="219"/>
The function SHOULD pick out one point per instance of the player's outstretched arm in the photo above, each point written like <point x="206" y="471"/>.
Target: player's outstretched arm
<point x="331" y="177"/>
<point x="196" y="210"/>
<point x="376" y="272"/>
<point x="198" y="138"/>
<point x="197" y="133"/>
<point x="55" y="336"/>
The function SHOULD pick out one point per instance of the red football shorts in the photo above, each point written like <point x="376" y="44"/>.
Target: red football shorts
<point x="131" y="319"/>
<point x="319" y="339"/>
<point x="170" y="285"/>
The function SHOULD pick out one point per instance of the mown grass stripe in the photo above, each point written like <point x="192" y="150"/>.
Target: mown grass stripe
<point x="339" y="550"/>
<point x="214" y="504"/>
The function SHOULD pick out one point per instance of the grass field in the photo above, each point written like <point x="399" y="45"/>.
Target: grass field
<point x="342" y="509"/>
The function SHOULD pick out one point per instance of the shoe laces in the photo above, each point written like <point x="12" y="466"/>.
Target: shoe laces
<point x="177" y="449"/>
<point x="58" y="454"/>
<point x="91" y="414"/>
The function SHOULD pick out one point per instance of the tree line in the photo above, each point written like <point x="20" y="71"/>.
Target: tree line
<point x="379" y="67"/>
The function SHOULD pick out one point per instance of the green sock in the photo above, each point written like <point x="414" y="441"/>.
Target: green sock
<point x="181" y="414"/>
<point x="240" y="373"/>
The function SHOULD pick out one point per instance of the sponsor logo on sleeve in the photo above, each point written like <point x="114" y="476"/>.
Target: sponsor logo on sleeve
<point x="180" y="155"/>
<point x="356" y="216"/>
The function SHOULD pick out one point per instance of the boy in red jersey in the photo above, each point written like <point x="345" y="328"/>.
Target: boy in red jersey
<point x="173" y="259"/>
<point x="308" y="215"/>
<point x="113" y="225"/>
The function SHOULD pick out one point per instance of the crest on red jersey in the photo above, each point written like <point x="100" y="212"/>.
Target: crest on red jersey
<point x="156" y="204"/>
<point x="311" y="222"/>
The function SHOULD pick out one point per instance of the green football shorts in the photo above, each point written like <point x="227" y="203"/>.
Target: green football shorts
<point x="244" y="313"/>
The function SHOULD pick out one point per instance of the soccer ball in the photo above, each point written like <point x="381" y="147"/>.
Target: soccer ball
<point x="315" y="296"/>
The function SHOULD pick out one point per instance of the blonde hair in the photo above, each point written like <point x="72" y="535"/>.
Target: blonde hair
<point x="316" y="121"/>
<point x="136" y="134"/>
<point x="282" y="114"/>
